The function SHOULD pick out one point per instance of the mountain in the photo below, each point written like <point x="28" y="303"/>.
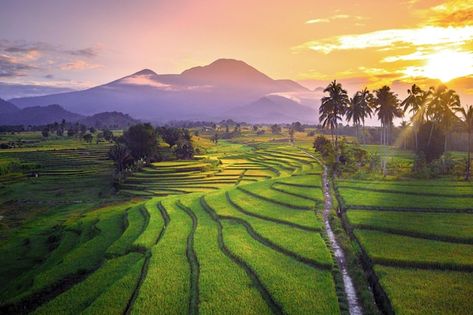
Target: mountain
<point x="110" y="120"/>
<point x="199" y="93"/>
<point x="38" y="115"/>
<point x="7" y="107"/>
<point x="273" y="109"/>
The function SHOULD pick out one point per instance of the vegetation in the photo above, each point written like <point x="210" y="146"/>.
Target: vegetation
<point x="228" y="227"/>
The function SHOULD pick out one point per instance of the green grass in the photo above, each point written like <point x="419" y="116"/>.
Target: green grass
<point x="88" y="255"/>
<point x="153" y="226"/>
<point x="304" y="243"/>
<point x="311" y="290"/>
<point x="224" y="288"/>
<point x="85" y="293"/>
<point x="434" y="225"/>
<point x="273" y="211"/>
<point x="135" y="225"/>
<point x="414" y="291"/>
<point x="166" y="288"/>
<point x="385" y="247"/>
<point x="354" y="197"/>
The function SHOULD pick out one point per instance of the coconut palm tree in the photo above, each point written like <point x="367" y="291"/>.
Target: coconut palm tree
<point x="386" y="105"/>
<point x="440" y="110"/>
<point x="358" y="108"/>
<point x="467" y="120"/>
<point x="333" y="107"/>
<point x="416" y="103"/>
<point x="387" y="108"/>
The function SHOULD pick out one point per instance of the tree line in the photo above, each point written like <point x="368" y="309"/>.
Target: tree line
<point x="433" y="114"/>
<point x="140" y="145"/>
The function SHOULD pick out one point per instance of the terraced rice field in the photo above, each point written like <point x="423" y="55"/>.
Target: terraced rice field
<point x="229" y="233"/>
<point x="416" y="237"/>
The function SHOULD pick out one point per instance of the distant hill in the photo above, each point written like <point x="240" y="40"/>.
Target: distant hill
<point x="200" y="93"/>
<point x="7" y="107"/>
<point x="273" y="109"/>
<point x="39" y="115"/>
<point x="110" y="120"/>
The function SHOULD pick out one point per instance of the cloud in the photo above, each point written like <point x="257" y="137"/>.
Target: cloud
<point x="18" y="58"/>
<point x="146" y="80"/>
<point x="451" y="13"/>
<point x="86" y="52"/>
<point x="79" y="64"/>
<point x="9" y="67"/>
<point x="315" y="21"/>
<point x="335" y="17"/>
<point x="12" y="90"/>
<point x="429" y="35"/>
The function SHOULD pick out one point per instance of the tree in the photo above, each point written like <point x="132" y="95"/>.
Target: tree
<point x="467" y="120"/>
<point x="169" y="135"/>
<point x="441" y="108"/>
<point x="107" y="135"/>
<point x="359" y="107"/>
<point x="45" y="132"/>
<point x="416" y="103"/>
<point x="333" y="107"/>
<point x="184" y="149"/>
<point x="275" y="129"/>
<point x="291" y="134"/>
<point x="70" y="132"/>
<point x="297" y="126"/>
<point x="142" y="141"/>
<point x="88" y="138"/>
<point x="121" y="157"/>
<point x="215" y="138"/>
<point x="387" y="107"/>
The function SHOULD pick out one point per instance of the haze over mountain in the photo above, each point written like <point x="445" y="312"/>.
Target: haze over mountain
<point x="38" y="115"/>
<point x="212" y="92"/>
<point x="7" y="107"/>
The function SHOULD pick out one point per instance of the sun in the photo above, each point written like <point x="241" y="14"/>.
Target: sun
<point x="445" y="65"/>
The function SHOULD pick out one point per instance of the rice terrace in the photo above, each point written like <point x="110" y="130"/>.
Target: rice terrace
<point x="337" y="181"/>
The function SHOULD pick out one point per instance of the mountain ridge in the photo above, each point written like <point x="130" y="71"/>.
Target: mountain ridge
<point x="201" y="93"/>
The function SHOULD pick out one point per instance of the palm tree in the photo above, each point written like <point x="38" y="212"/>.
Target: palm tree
<point x="441" y="110"/>
<point x="359" y="107"/>
<point x="387" y="107"/>
<point x="467" y="119"/>
<point x="333" y="107"/>
<point x="416" y="102"/>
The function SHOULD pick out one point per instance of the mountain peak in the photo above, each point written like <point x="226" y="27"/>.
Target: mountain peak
<point x="145" y="72"/>
<point x="229" y="71"/>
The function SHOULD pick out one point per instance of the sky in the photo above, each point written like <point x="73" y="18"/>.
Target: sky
<point x="55" y="45"/>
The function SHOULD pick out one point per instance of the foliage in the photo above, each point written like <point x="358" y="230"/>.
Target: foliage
<point x="276" y="129"/>
<point x="142" y="141"/>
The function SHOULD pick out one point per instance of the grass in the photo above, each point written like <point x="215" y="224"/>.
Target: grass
<point x="385" y="248"/>
<point x="166" y="288"/>
<point x="134" y="226"/>
<point x="356" y="197"/>
<point x="414" y="291"/>
<point x="224" y="288"/>
<point x="85" y="293"/>
<point x="307" y="244"/>
<point x="270" y="210"/>
<point x="312" y="290"/>
<point x="455" y="226"/>
<point x="153" y="226"/>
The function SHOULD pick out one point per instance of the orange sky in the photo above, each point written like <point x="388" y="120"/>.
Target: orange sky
<point x="359" y="42"/>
